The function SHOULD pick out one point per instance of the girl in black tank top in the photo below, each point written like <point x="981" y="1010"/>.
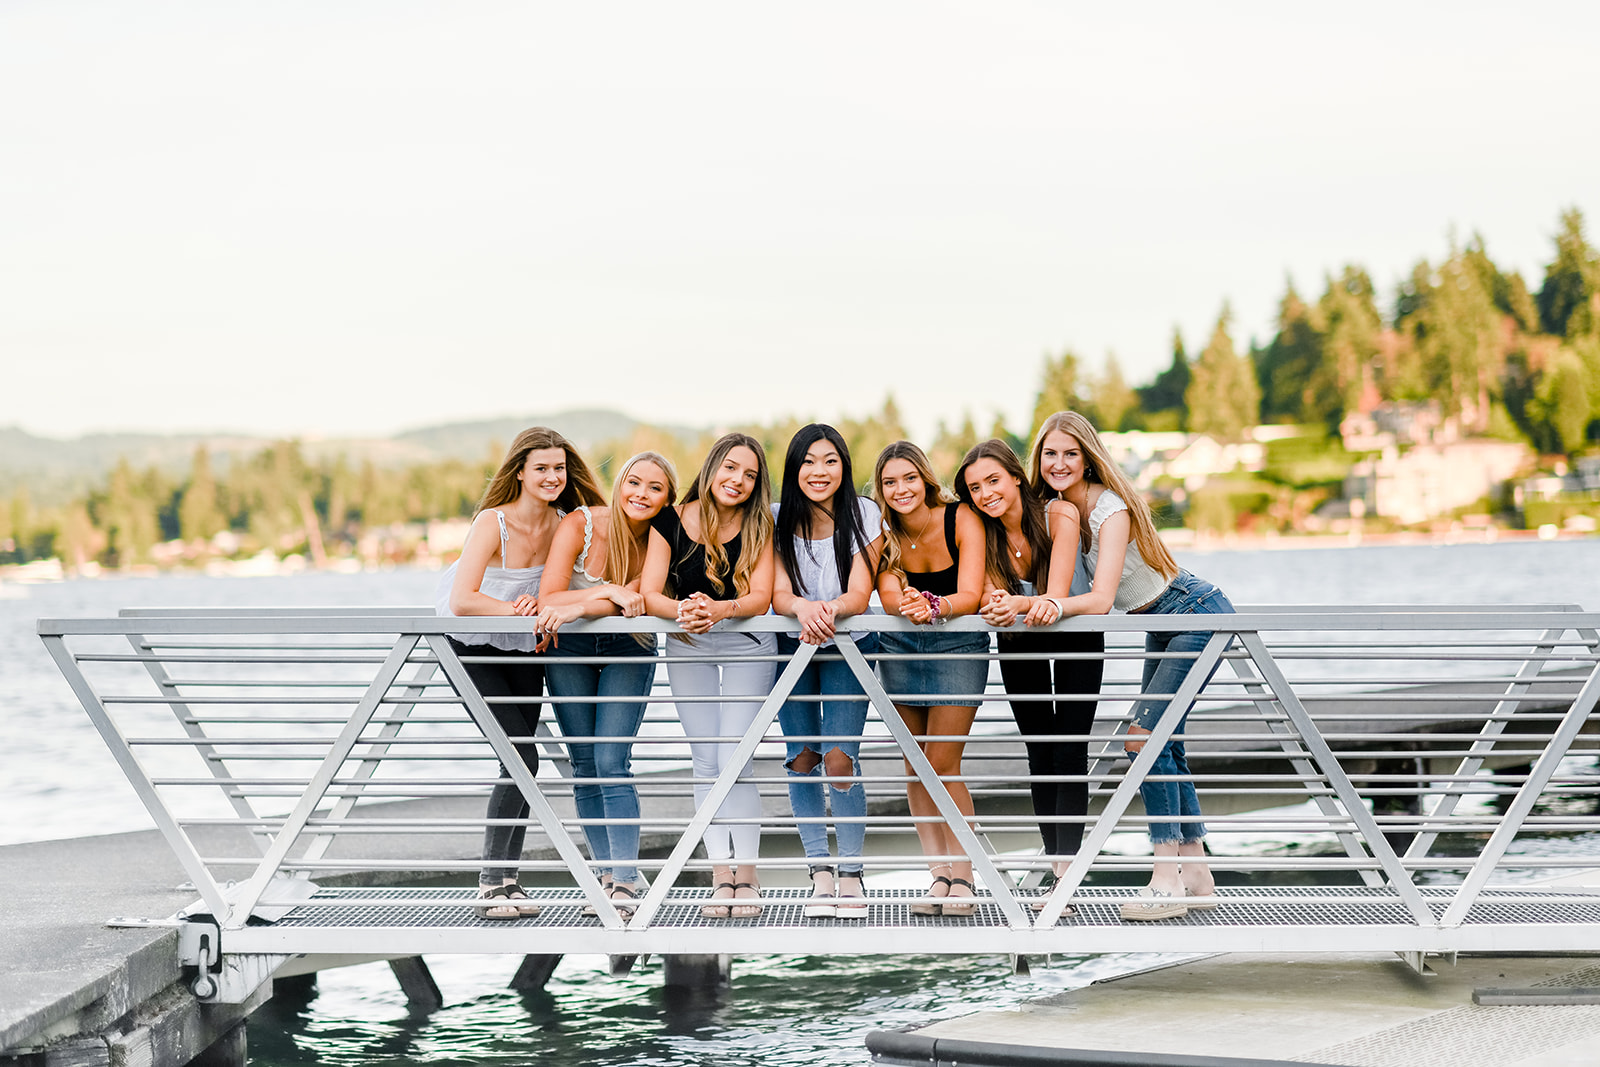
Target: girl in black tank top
<point x="935" y="676"/>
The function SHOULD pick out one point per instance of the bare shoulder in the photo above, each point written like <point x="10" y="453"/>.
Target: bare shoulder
<point x="1063" y="509"/>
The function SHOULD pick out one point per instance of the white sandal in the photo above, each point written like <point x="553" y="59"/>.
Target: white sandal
<point x="1151" y="905"/>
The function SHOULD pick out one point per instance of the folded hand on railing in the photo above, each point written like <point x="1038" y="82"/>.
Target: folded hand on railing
<point x="1000" y="609"/>
<point x="816" y="619"/>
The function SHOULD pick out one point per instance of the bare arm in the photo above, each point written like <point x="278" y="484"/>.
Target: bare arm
<point x="482" y="545"/>
<point x="969" y="570"/>
<point x="1045" y="609"/>
<point x="1113" y="537"/>
<point x="653" y="578"/>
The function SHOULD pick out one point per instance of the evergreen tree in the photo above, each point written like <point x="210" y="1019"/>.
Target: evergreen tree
<point x="1348" y="325"/>
<point x="1162" y="401"/>
<point x="1112" y="400"/>
<point x="1059" y="388"/>
<point x="1567" y="300"/>
<point x="1284" y="369"/>
<point x="1223" y="398"/>
<point x="199" y="515"/>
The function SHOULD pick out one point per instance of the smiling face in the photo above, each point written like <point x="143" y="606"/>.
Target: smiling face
<point x="902" y="487"/>
<point x="994" y="491"/>
<point x="736" y="478"/>
<point x="1061" y="460"/>
<point x="644" y="491"/>
<point x="821" y="472"/>
<point x="544" y="474"/>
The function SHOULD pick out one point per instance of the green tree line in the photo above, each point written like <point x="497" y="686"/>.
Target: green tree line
<point x="1493" y="354"/>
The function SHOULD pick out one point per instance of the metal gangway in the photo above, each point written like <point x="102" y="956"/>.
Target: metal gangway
<point x="1412" y="779"/>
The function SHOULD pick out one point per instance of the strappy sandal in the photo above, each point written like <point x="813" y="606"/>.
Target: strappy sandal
<point x="821" y="905"/>
<point x="512" y="891"/>
<point x="961" y="910"/>
<point x="746" y="911"/>
<point x="852" y="905"/>
<point x="932" y="907"/>
<point x="622" y="898"/>
<point x="718" y="911"/>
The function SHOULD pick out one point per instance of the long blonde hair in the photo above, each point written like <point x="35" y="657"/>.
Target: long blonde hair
<point x="934" y="494"/>
<point x="755" y="527"/>
<point x="1099" y="467"/>
<point x="624" y="554"/>
<point x="504" y="488"/>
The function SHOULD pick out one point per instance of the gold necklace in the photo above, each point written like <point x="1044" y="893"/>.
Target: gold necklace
<point x="924" y="531"/>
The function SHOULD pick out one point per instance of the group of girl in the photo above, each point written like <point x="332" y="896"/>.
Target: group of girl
<point x="1022" y="548"/>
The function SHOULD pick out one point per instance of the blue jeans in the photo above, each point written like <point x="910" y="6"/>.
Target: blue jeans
<point x="1187" y="595"/>
<point x="827" y="675"/>
<point x="614" y="845"/>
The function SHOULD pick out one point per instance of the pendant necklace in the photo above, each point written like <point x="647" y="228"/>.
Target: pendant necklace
<point x="924" y="532"/>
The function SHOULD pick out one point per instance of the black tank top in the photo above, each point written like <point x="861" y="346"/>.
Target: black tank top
<point x="942" y="583"/>
<point x="686" y="575"/>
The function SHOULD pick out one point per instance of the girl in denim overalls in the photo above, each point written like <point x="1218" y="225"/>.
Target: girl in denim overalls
<point x="1131" y="570"/>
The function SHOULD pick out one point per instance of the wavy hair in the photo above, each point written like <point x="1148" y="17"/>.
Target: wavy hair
<point x="1101" y="469"/>
<point x="624" y="551"/>
<point x="795" y="508"/>
<point x="934" y="494"/>
<point x="997" y="558"/>
<point x="755" y="528"/>
<point x="581" y="487"/>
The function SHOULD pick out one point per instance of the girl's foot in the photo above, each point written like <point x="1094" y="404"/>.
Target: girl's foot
<point x="511" y="891"/>
<point x="746" y="891"/>
<point x="823" y="897"/>
<point x="939" y="888"/>
<point x="1153" y="904"/>
<point x="960" y="887"/>
<point x="852" y="897"/>
<point x="624" y="898"/>
<point x="718" y="911"/>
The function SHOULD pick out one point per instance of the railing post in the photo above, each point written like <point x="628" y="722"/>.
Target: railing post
<point x="1165" y="727"/>
<point x="1571" y="723"/>
<point x="707" y="810"/>
<point x="999" y="887"/>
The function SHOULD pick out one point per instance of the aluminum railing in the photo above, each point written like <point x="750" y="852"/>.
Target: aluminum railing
<point x="1416" y="779"/>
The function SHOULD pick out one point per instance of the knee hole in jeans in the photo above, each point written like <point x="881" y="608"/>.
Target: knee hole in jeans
<point x="839" y="765"/>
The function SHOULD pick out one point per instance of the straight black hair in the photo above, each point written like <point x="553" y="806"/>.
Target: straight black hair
<point x="794" y="507"/>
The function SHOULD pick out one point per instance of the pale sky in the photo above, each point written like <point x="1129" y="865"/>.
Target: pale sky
<point x="356" y="218"/>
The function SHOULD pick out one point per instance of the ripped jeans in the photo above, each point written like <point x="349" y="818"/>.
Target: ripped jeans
<point x="827" y="675"/>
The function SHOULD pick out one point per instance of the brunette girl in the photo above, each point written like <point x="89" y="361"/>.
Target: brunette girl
<point x="594" y="567"/>
<point x="1131" y="569"/>
<point x="710" y="559"/>
<point x="498" y="573"/>
<point x="1031" y="555"/>
<point x="931" y="570"/>
<point x="825" y="535"/>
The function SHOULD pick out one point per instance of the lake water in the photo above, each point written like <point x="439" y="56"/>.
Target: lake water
<point x="59" y="782"/>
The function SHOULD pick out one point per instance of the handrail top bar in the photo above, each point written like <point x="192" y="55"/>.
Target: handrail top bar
<point x="1309" y="618"/>
<point x="409" y="610"/>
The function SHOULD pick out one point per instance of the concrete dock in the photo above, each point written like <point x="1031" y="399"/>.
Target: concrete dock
<point x="1355" y="1009"/>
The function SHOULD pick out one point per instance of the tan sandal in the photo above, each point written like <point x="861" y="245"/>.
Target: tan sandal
<point x="932" y="907"/>
<point x="969" y="903"/>
<point x="746" y="911"/>
<point x="512" y="891"/>
<point x="718" y="911"/>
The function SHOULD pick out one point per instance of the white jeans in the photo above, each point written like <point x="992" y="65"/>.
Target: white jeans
<point x="731" y="679"/>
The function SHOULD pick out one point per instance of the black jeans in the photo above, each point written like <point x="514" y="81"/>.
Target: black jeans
<point x="1037" y="717"/>
<point x="523" y="678"/>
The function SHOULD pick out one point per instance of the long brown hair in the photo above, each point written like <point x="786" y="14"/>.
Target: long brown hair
<point x="934" y="494"/>
<point x="997" y="558"/>
<point x="624" y="555"/>
<point x="755" y="527"/>
<point x="1100" y="468"/>
<point x="504" y="488"/>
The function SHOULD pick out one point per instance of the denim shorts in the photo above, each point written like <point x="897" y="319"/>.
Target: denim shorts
<point x="954" y="682"/>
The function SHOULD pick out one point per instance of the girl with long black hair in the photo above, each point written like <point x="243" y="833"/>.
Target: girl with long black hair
<point x="825" y="537"/>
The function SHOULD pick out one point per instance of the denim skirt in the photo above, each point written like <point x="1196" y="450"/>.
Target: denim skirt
<point x="947" y="682"/>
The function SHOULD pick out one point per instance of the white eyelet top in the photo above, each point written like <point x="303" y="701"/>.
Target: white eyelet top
<point x="502" y="583"/>
<point x="581" y="578"/>
<point x="1140" y="583"/>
